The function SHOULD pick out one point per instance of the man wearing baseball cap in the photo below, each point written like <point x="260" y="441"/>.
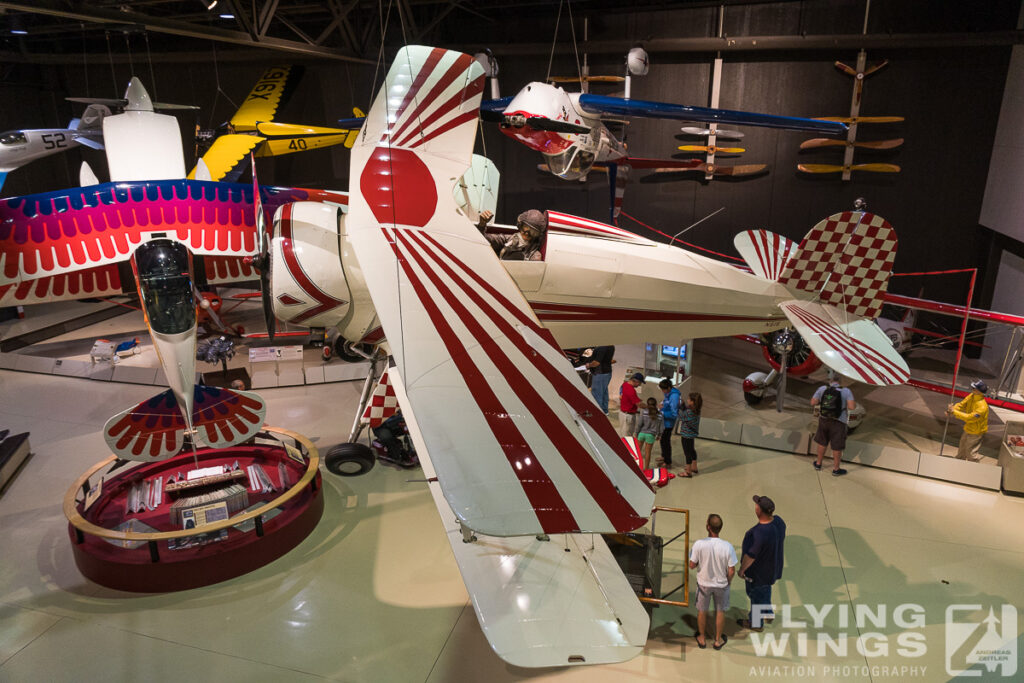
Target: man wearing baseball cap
<point x="629" y="402"/>
<point x="761" y="564"/>
<point x="973" y="411"/>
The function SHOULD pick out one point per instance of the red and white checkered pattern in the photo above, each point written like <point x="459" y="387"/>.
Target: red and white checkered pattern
<point x="383" y="403"/>
<point x="846" y="259"/>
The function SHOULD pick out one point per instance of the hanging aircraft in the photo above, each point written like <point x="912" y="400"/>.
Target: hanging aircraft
<point x="147" y="231"/>
<point x="253" y="129"/>
<point x="19" y="147"/>
<point x="473" y="344"/>
<point x="569" y="128"/>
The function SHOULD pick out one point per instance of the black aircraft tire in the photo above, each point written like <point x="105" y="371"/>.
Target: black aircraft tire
<point x="751" y="398"/>
<point x="350" y="459"/>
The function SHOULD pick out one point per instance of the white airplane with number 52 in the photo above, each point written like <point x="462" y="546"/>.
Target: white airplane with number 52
<point x="523" y="466"/>
<point x="19" y="147"/>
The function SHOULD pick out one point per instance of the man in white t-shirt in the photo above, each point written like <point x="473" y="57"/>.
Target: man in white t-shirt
<point x="715" y="561"/>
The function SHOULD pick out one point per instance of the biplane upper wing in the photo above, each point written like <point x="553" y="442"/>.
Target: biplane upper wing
<point x="265" y="97"/>
<point x="66" y="231"/>
<point x="519" y="446"/>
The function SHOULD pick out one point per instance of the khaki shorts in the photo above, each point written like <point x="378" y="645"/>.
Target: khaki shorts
<point x="705" y="593"/>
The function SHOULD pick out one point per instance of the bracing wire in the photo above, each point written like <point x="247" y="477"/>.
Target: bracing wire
<point x="575" y="48"/>
<point x="128" y="47"/>
<point x="152" y="76"/>
<point x="554" y="40"/>
<point x="110" y="60"/>
<point x="220" y="91"/>
<point x="85" y="61"/>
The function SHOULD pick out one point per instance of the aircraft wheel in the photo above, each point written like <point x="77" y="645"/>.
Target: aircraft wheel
<point x="753" y="388"/>
<point x="350" y="459"/>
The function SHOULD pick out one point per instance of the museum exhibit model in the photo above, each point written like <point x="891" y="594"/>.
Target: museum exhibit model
<point x="195" y="518"/>
<point x="398" y="269"/>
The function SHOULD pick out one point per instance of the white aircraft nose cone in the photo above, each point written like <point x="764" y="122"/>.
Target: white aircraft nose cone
<point x="137" y="96"/>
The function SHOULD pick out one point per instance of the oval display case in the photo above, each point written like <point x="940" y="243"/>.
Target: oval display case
<point x="153" y="527"/>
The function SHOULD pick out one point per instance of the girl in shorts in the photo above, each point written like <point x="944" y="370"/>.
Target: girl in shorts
<point x="649" y="426"/>
<point x="689" y="427"/>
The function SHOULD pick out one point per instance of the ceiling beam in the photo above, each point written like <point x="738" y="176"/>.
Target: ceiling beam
<point x="764" y="43"/>
<point x="178" y="28"/>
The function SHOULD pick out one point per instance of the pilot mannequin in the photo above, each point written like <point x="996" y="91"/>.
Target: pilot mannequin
<point x="524" y="245"/>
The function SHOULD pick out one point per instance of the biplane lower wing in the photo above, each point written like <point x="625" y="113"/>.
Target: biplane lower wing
<point x="542" y="602"/>
<point x="519" y="446"/>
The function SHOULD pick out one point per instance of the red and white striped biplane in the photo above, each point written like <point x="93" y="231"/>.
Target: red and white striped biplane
<point x="524" y="468"/>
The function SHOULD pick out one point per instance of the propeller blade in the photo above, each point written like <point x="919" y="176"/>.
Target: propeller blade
<point x="491" y="116"/>
<point x="263" y="259"/>
<point x="541" y="123"/>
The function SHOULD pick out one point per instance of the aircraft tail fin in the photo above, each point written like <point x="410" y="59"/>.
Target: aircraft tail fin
<point x="766" y="253"/>
<point x="845" y="261"/>
<point x="74" y="123"/>
<point x="155" y="428"/>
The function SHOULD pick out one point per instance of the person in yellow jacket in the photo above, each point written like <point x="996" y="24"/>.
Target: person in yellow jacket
<point x="973" y="410"/>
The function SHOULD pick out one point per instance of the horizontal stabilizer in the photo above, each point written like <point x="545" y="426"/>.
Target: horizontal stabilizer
<point x="88" y="142"/>
<point x="543" y="603"/>
<point x="854" y="347"/>
<point x="155" y="428"/>
<point x="765" y="252"/>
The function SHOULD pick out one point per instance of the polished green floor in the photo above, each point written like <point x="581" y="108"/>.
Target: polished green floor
<point x="374" y="593"/>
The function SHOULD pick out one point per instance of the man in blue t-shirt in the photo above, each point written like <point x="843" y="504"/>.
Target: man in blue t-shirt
<point x="762" y="560"/>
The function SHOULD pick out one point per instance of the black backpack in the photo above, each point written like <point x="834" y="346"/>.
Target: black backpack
<point x="832" y="402"/>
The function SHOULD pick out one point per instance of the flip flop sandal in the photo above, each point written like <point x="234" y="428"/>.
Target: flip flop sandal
<point x="700" y="645"/>
<point x="725" y="639"/>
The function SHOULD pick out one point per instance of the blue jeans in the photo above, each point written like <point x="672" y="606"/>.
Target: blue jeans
<point x="599" y="389"/>
<point x="759" y="595"/>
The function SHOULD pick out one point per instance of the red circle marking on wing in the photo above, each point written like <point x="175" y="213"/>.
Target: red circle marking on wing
<point x="398" y="187"/>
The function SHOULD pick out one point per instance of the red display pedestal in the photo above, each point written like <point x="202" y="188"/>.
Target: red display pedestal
<point x="149" y="550"/>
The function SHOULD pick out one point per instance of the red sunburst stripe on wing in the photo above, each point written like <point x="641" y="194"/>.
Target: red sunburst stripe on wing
<point x="430" y="100"/>
<point x="568" y="390"/>
<point x="475" y="87"/>
<point x="582" y="463"/>
<point x="867" y="351"/>
<point x="552" y="512"/>
<point x="325" y="301"/>
<point x="861" y="356"/>
<point x="846" y="351"/>
<point x="424" y="73"/>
